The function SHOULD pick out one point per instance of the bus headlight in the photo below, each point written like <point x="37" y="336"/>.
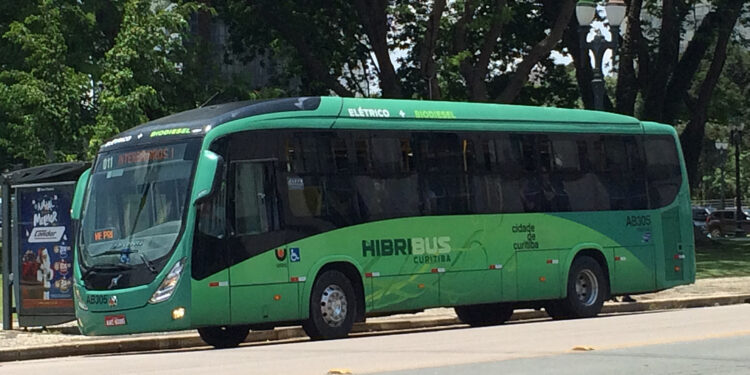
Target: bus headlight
<point x="169" y="284"/>
<point x="79" y="300"/>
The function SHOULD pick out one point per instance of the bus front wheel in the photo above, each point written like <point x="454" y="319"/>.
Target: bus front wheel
<point x="224" y="336"/>
<point x="484" y="315"/>
<point x="333" y="304"/>
<point x="587" y="290"/>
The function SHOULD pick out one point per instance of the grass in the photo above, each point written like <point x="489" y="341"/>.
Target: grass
<point x="723" y="258"/>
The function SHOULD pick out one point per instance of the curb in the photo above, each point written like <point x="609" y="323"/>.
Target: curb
<point x="192" y="340"/>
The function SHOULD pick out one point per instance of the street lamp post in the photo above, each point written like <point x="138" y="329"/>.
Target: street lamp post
<point x="722" y="147"/>
<point x="585" y="12"/>
<point x="739" y="216"/>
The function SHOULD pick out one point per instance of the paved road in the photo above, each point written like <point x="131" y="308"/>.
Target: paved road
<point x="726" y="356"/>
<point x="659" y="341"/>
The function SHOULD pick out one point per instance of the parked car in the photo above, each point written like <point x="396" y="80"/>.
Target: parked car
<point x="722" y="222"/>
<point x="700" y="214"/>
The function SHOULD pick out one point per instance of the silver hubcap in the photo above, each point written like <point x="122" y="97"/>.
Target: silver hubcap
<point x="333" y="305"/>
<point x="587" y="287"/>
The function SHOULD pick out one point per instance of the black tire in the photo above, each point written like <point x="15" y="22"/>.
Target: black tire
<point x="485" y="315"/>
<point x="554" y="310"/>
<point x="224" y="336"/>
<point x="333" y="305"/>
<point x="588" y="288"/>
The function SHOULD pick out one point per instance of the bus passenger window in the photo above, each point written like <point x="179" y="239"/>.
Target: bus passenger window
<point x="253" y="198"/>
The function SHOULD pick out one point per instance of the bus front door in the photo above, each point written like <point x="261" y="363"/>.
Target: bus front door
<point x="210" y="261"/>
<point x="261" y="288"/>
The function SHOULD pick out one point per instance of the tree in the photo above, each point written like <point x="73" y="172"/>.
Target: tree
<point x="42" y="98"/>
<point x="692" y="136"/>
<point x="142" y="73"/>
<point x="730" y="105"/>
<point x="656" y="82"/>
<point x="652" y="68"/>
<point x="467" y="49"/>
<point x="75" y="72"/>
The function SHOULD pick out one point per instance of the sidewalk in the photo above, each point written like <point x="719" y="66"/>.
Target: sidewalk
<point x="65" y="340"/>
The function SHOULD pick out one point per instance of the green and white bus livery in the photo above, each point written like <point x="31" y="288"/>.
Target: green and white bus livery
<point x="324" y="210"/>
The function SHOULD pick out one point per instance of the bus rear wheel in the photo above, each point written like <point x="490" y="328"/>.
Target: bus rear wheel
<point x="485" y="315"/>
<point x="333" y="305"/>
<point x="587" y="290"/>
<point x="224" y="336"/>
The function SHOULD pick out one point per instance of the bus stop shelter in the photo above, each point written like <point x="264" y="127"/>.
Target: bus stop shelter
<point x="37" y="235"/>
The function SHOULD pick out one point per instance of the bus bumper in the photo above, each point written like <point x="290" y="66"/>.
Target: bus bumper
<point x="166" y="316"/>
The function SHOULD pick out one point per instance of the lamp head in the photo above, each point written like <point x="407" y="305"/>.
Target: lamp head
<point x="615" y="12"/>
<point x="585" y="11"/>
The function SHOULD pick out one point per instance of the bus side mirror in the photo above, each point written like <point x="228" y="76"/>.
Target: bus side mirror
<point x="77" y="204"/>
<point x="208" y="176"/>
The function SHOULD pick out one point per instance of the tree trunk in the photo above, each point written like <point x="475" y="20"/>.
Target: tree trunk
<point x="427" y="50"/>
<point x="581" y="62"/>
<point x="627" y="81"/>
<point x="669" y="40"/>
<point x="539" y="51"/>
<point x="372" y="14"/>
<point x="478" y="78"/>
<point x="459" y="44"/>
<point x="692" y="137"/>
<point x="684" y="73"/>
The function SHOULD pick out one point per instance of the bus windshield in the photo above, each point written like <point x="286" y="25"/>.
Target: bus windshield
<point x="134" y="207"/>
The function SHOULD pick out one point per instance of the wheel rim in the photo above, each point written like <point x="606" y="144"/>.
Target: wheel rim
<point x="587" y="287"/>
<point x="333" y="305"/>
<point x="715" y="233"/>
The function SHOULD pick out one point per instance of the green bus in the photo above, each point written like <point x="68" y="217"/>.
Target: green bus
<point x="322" y="211"/>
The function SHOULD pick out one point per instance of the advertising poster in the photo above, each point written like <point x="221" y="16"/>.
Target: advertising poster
<point x="45" y="245"/>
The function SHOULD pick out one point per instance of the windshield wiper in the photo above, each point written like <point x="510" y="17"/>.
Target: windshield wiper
<point x="117" y="267"/>
<point x="148" y="263"/>
<point x="128" y="251"/>
<point x="125" y="251"/>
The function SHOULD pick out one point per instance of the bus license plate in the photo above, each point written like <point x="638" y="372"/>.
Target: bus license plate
<point x="114" y="320"/>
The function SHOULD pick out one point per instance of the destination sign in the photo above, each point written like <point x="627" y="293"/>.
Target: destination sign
<point x="118" y="160"/>
<point x="104" y="235"/>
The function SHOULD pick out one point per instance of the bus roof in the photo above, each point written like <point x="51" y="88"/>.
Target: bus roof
<point x="438" y="110"/>
<point x="196" y="122"/>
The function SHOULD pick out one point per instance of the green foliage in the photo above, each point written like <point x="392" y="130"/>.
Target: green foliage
<point x="142" y="72"/>
<point x="75" y="72"/>
<point x="730" y="105"/>
<point x="291" y="35"/>
<point x="79" y="71"/>
<point x="41" y="98"/>
<point x="555" y="86"/>
<point x="330" y="35"/>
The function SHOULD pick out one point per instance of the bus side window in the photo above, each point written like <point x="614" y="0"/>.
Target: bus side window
<point x="212" y="215"/>
<point x="662" y="169"/>
<point x="208" y="243"/>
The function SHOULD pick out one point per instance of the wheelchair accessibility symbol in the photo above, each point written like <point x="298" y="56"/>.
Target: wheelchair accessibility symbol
<point x="294" y="254"/>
